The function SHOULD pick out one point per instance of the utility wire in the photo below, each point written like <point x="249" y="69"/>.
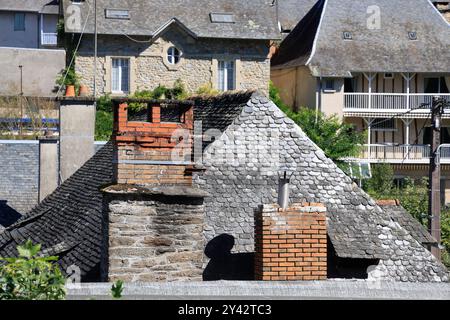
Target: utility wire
<point x="417" y="138"/>
<point x="76" y="49"/>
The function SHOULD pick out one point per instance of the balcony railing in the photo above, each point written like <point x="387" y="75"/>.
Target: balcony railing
<point x="388" y="102"/>
<point x="402" y="154"/>
<point x="49" y="39"/>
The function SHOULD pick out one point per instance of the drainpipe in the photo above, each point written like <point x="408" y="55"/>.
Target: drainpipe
<point x="319" y="98"/>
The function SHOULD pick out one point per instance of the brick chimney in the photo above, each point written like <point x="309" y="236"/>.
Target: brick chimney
<point x="153" y="146"/>
<point x="291" y="243"/>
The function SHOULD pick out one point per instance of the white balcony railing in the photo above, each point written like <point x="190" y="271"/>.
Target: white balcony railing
<point x="402" y="154"/>
<point x="388" y="102"/>
<point x="49" y="39"/>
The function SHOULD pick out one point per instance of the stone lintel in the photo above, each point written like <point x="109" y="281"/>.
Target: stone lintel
<point x="167" y="191"/>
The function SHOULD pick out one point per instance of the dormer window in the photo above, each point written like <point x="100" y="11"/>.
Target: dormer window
<point x="412" y="35"/>
<point x="222" y="17"/>
<point x="347" y="35"/>
<point x="117" y="14"/>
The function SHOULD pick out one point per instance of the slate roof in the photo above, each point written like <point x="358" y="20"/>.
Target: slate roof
<point x="384" y="49"/>
<point x="290" y="12"/>
<point x="407" y="221"/>
<point x="69" y="222"/>
<point x="41" y="6"/>
<point x="253" y="19"/>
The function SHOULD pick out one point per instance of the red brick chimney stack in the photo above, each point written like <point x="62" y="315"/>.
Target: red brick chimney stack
<point x="156" y="148"/>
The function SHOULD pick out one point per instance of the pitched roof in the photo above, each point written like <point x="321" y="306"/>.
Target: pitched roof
<point x="374" y="48"/>
<point x="290" y="12"/>
<point x="41" y="6"/>
<point x="252" y="19"/>
<point x="407" y="221"/>
<point x="69" y="222"/>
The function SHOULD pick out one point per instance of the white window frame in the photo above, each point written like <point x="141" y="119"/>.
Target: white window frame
<point x="327" y="89"/>
<point x="120" y="91"/>
<point x="23" y="14"/>
<point x="225" y="75"/>
<point x="171" y="55"/>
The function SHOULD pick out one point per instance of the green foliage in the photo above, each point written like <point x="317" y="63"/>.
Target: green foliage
<point x="103" y="125"/>
<point x="445" y="237"/>
<point x="274" y="95"/>
<point x="337" y="139"/>
<point x="30" y="277"/>
<point x="207" y="90"/>
<point x="104" y="103"/>
<point x="70" y="79"/>
<point x="117" y="289"/>
<point x="382" y="179"/>
<point x="177" y="92"/>
<point x="413" y="195"/>
<point x="144" y="94"/>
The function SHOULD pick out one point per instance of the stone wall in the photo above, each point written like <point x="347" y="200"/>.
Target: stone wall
<point x="291" y="244"/>
<point x="198" y="66"/>
<point x="153" y="237"/>
<point x="19" y="167"/>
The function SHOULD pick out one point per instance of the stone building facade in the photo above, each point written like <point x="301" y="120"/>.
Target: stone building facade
<point x="220" y="44"/>
<point x="198" y="65"/>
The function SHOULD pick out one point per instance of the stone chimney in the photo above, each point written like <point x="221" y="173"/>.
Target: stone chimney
<point x="153" y="216"/>
<point x="291" y="244"/>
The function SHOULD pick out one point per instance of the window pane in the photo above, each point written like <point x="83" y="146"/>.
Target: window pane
<point x="125" y="75"/>
<point x="221" y="84"/>
<point x="19" y="21"/>
<point x="173" y="55"/>
<point x="115" y="75"/>
<point x="230" y="75"/>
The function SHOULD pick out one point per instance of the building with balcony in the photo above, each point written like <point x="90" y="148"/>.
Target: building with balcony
<point x="377" y="64"/>
<point x="29" y="24"/>
<point x="30" y="59"/>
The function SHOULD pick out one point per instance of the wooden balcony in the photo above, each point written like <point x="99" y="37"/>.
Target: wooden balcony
<point x="401" y="154"/>
<point x="389" y="103"/>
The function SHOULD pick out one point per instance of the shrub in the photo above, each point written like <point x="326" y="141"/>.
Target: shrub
<point x="104" y="103"/>
<point x="337" y="139"/>
<point x="103" y="125"/>
<point x="207" y="90"/>
<point x="144" y="94"/>
<point x="30" y="277"/>
<point x="381" y="183"/>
